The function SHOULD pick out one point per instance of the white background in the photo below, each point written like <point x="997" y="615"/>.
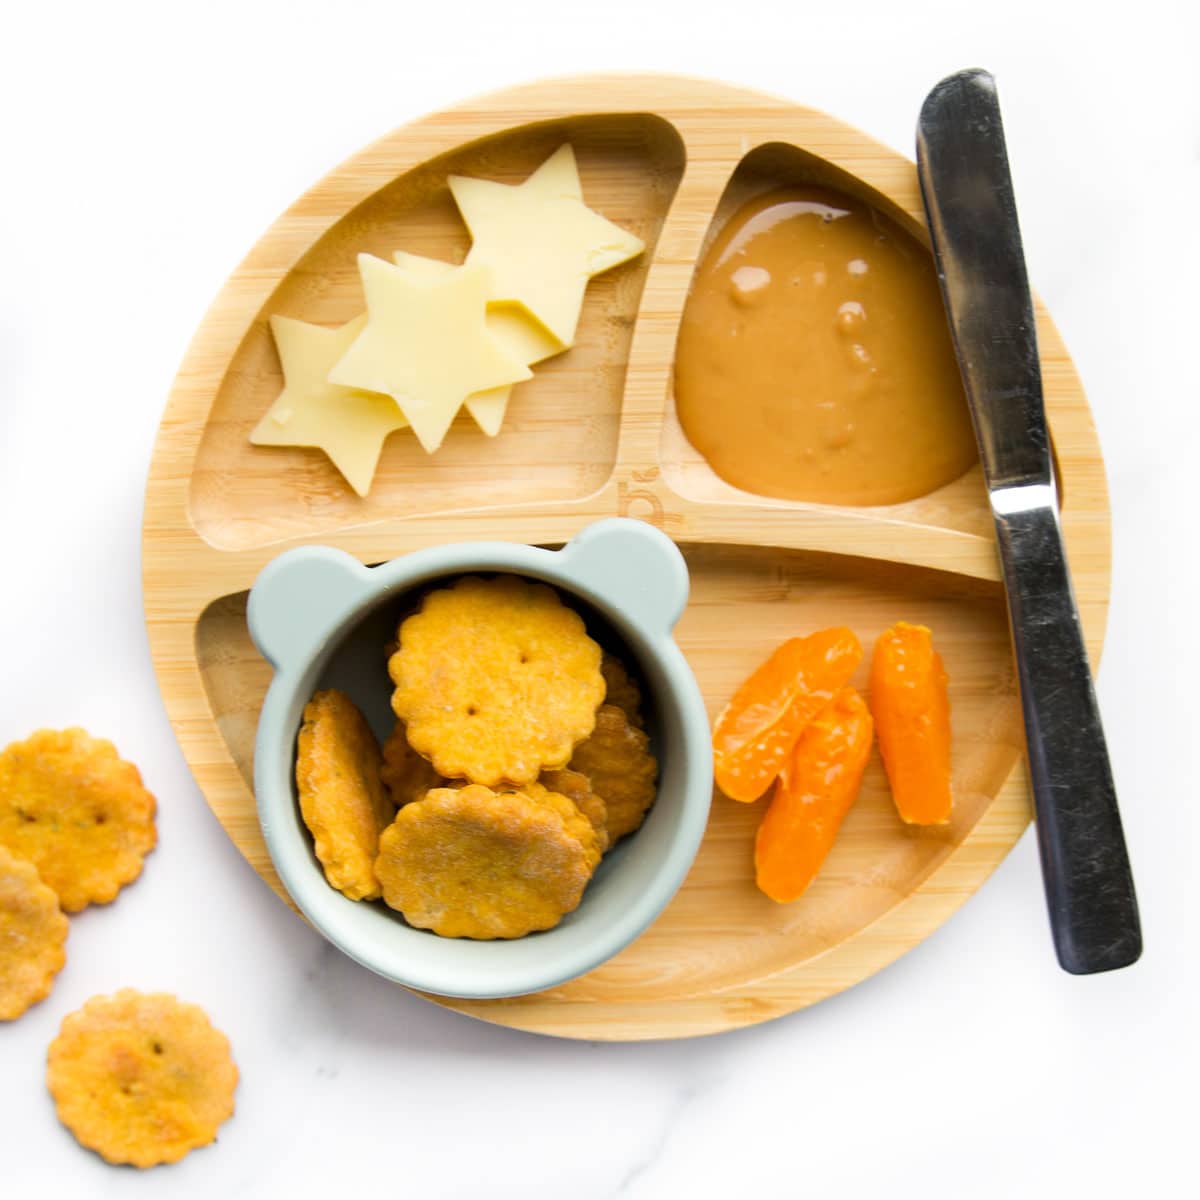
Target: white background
<point x="145" y="148"/>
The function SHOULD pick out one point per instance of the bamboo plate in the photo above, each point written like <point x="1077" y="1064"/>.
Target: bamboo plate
<point x="592" y="435"/>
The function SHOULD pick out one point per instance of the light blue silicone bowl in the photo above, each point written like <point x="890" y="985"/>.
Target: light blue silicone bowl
<point x="322" y="619"/>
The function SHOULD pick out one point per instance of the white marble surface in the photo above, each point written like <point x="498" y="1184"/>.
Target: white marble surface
<point x="146" y="146"/>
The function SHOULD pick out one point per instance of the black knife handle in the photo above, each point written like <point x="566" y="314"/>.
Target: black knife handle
<point x="1085" y="866"/>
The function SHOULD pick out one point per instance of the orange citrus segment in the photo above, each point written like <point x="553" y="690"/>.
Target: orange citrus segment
<point x="812" y="796"/>
<point x="755" y="733"/>
<point x="911" y="707"/>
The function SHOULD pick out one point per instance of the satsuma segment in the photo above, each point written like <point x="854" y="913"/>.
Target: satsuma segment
<point x="812" y="796"/>
<point x="755" y="733"/>
<point x="910" y="701"/>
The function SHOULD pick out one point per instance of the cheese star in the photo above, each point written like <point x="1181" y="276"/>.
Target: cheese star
<point x="426" y="345"/>
<point x="541" y="241"/>
<point x="348" y="425"/>
<point x="513" y="329"/>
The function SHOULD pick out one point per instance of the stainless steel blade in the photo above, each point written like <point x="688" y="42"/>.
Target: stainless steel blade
<point x="965" y="183"/>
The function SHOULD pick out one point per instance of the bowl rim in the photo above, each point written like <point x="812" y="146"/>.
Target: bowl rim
<point x="330" y="913"/>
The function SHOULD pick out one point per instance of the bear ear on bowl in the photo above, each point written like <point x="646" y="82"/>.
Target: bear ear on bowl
<point x="632" y="565"/>
<point x="302" y="594"/>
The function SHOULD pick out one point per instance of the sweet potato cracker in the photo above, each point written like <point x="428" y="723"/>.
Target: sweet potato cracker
<point x="496" y="679"/>
<point x="342" y="797"/>
<point x="76" y="811"/>
<point x="578" y="789"/>
<point x="617" y="762"/>
<point x="406" y="774"/>
<point x="470" y="862"/>
<point x="622" y="691"/>
<point x="33" y="934"/>
<point x="574" y="821"/>
<point x="141" y="1079"/>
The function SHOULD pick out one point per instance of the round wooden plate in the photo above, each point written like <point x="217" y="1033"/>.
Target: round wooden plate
<point x="592" y="435"/>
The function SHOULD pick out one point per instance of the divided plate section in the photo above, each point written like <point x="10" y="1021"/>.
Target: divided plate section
<point x="720" y="930"/>
<point x="560" y="434"/>
<point x="960" y="505"/>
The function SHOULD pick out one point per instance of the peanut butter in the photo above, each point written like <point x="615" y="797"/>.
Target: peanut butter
<point x="814" y="361"/>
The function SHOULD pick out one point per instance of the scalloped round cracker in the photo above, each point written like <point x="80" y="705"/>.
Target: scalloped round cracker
<point x="578" y="789"/>
<point x="496" y="679"/>
<point x="621" y="689"/>
<point x="33" y="936"/>
<point x="470" y="862"/>
<point x="573" y="819"/>
<point x="141" y="1078"/>
<point x="342" y="797"/>
<point x="567" y="786"/>
<point x="78" y="812"/>
<point x="406" y="774"/>
<point x="617" y="762"/>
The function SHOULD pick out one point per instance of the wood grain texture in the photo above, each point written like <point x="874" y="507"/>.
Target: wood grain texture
<point x="594" y="435"/>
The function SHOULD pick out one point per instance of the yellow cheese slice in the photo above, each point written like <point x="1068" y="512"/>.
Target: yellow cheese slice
<point x="347" y="424"/>
<point x="512" y="327"/>
<point x="541" y="241"/>
<point x="426" y="344"/>
<point x="559" y="174"/>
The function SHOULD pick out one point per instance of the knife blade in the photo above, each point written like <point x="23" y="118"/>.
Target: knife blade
<point x="962" y="164"/>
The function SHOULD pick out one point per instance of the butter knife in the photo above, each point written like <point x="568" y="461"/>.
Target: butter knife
<point x="965" y="184"/>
